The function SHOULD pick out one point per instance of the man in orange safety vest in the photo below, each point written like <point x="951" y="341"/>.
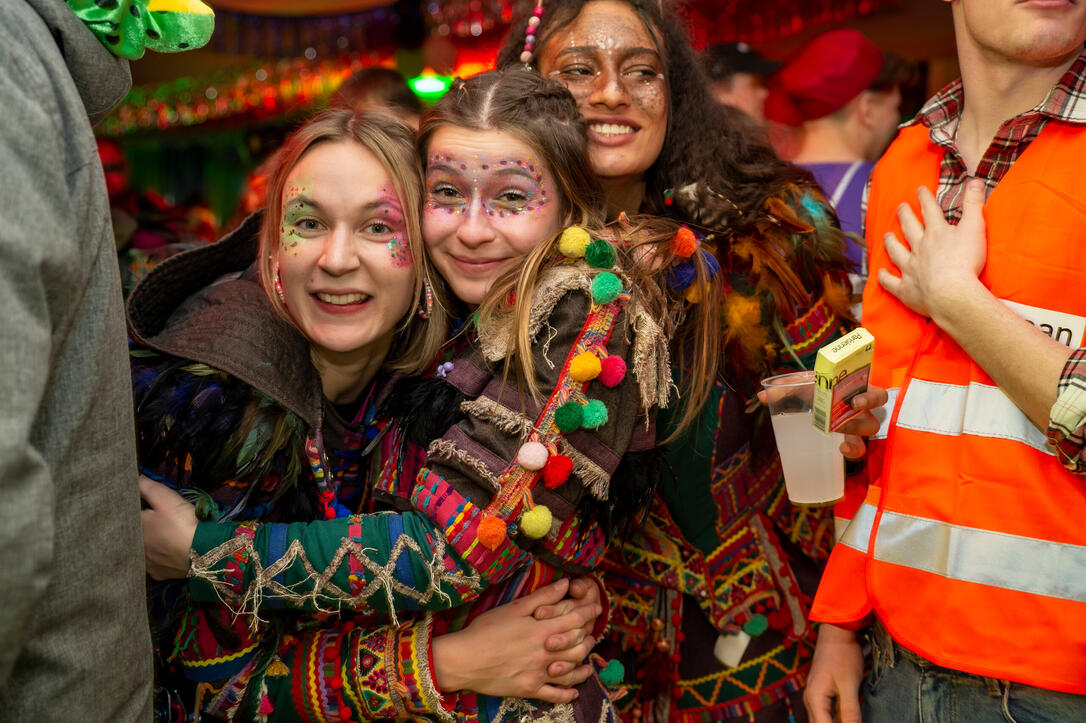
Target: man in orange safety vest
<point x="966" y="555"/>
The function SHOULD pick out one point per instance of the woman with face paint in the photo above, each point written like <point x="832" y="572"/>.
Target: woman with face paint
<point x="257" y="396"/>
<point x="719" y="631"/>
<point x="554" y="395"/>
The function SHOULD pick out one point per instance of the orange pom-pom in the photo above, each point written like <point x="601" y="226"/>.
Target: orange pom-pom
<point x="684" y="243"/>
<point x="491" y="532"/>
<point x="557" y="470"/>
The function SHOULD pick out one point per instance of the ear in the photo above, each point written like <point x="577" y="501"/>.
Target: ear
<point x="865" y="108"/>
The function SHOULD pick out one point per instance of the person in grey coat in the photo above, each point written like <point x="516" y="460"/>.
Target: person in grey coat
<point x="74" y="639"/>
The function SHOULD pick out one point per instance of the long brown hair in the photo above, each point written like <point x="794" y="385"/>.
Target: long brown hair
<point x="392" y="143"/>
<point x="706" y="143"/>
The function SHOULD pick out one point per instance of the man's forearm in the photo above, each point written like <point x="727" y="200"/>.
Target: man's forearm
<point x="1025" y="362"/>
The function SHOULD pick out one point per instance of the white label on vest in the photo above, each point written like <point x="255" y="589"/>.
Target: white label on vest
<point x="1067" y="329"/>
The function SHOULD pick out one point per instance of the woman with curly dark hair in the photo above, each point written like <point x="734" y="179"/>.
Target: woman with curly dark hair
<point x="711" y="588"/>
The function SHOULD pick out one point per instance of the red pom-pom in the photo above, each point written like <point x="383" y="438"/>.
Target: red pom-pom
<point x="779" y="619"/>
<point x="491" y="532"/>
<point x="612" y="371"/>
<point x="557" y="470"/>
<point x="684" y="243"/>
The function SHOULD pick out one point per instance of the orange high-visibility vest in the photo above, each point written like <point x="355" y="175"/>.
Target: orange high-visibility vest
<point x="971" y="543"/>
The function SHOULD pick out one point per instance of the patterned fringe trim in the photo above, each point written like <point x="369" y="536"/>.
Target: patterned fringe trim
<point x="594" y="477"/>
<point x="447" y="450"/>
<point x="420" y="694"/>
<point x="495" y="336"/>
<point x="651" y="361"/>
<point x="323" y="589"/>
<point x="505" y="419"/>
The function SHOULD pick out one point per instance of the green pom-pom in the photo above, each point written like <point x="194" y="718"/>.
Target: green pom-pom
<point x="605" y="288"/>
<point x="568" y="417"/>
<point x="757" y="625"/>
<point x="612" y="675"/>
<point x="600" y="254"/>
<point x="594" y="415"/>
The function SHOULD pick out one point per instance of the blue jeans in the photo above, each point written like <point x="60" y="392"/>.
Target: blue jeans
<point x="906" y="688"/>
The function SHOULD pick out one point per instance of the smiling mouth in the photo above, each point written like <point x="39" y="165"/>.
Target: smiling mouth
<point x="611" y="129"/>
<point x="342" y="299"/>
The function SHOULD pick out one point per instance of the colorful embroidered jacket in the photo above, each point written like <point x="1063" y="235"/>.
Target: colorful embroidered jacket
<point x="722" y="555"/>
<point x="229" y="410"/>
<point x="515" y="494"/>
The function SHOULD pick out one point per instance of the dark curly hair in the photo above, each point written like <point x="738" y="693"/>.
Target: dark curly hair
<point x="713" y="146"/>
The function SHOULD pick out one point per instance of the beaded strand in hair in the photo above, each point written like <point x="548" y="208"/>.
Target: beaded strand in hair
<point x="530" y="31"/>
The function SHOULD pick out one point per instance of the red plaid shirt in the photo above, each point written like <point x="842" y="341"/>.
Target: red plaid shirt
<point x="1066" y="102"/>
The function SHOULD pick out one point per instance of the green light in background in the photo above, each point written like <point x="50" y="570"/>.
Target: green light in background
<point x="430" y="87"/>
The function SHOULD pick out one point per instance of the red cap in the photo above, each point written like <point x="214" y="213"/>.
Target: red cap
<point x="823" y="77"/>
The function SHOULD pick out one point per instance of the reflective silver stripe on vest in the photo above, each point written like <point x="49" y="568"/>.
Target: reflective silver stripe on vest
<point x="977" y="409"/>
<point x="970" y="554"/>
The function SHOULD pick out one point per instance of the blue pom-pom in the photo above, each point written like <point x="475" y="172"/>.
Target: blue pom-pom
<point x="712" y="266"/>
<point x="681" y="275"/>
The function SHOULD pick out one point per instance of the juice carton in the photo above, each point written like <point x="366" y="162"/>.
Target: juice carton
<point x="841" y="372"/>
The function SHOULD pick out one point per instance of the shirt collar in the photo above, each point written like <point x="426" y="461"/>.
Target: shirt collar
<point x="1066" y="100"/>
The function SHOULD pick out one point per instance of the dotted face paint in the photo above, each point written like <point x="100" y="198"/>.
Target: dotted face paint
<point x="399" y="248"/>
<point x="489" y="202"/>
<point x="501" y="186"/>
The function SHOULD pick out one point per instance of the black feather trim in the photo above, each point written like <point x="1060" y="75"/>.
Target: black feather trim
<point x="632" y="488"/>
<point x="201" y="428"/>
<point x="425" y="408"/>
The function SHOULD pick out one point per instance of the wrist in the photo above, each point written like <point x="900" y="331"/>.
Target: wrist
<point x="953" y="299"/>
<point x="445" y="651"/>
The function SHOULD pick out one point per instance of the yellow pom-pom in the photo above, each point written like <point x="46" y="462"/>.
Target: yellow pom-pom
<point x="536" y="522"/>
<point x="574" y="241"/>
<point x="694" y="294"/>
<point x="584" y="367"/>
<point x="491" y="532"/>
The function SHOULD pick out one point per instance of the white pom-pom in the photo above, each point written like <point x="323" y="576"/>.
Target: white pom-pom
<point x="532" y="456"/>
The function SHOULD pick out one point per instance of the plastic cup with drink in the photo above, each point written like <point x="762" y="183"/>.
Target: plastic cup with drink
<point x="814" y="468"/>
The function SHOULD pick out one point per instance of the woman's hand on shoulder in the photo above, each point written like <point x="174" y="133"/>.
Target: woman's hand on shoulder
<point x="509" y="651"/>
<point x="169" y="524"/>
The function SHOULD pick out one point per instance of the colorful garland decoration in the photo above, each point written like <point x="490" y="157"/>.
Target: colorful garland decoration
<point x="257" y="90"/>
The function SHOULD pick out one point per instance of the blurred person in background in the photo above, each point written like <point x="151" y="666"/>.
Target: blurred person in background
<point x="843" y="95"/>
<point x="737" y="75"/>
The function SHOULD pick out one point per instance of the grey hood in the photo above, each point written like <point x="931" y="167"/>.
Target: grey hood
<point x="101" y="78"/>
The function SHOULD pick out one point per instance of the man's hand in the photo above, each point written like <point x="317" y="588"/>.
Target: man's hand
<point x="169" y="524"/>
<point x="836" y="672"/>
<point x="942" y="262"/>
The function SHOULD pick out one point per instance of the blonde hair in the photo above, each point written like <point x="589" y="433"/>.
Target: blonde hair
<point x="392" y="143"/>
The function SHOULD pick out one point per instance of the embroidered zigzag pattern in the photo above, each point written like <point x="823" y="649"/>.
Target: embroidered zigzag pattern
<point x="322" y="593"/>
